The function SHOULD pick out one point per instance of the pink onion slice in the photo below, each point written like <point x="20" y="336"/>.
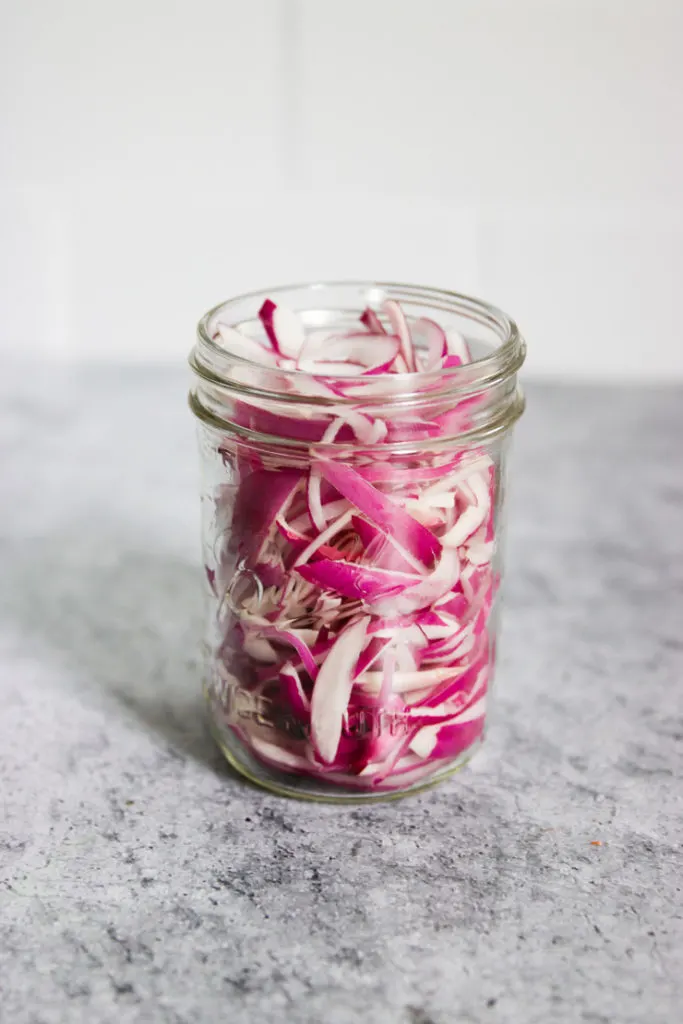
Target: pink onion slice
<point x="278" y="756"/>
<point x="372" y="653"/>
<point x="370" y="320"/>
<point x="239" y="344"/>
<point x="290" y="637"/>
<point x="284" y="329"/>
<point x="436" y="740"/>
<point x="358" y="582"/>
<point x="457" y="346"/>
<point x="400" y="327"/>
<point x="333" y="688"/>
<point x="294" y="693"/>
<point x="380" y="549"/>
<point x="375" y="353"/>
<point x="261" y="498"/>
<point x="364" y="430"/>
<point x="321" y="540"/>
<point x="433" y="342"/>
<point x="425" y="591"/>
<point x="381" y="510"/>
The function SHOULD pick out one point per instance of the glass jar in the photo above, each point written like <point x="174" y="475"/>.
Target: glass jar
<point x="352" y="533"/>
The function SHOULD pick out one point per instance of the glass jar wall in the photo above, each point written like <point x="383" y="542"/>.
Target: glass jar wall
<point x="352" y="531"/>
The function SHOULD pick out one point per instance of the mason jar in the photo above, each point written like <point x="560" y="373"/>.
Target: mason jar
<point x="352" y="525"/>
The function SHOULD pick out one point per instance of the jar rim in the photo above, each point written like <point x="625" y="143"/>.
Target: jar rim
<point x="225" y="378"/>
<point x="212" y="361"/>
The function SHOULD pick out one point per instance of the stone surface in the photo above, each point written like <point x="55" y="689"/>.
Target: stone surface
<point x="142" y="882"/>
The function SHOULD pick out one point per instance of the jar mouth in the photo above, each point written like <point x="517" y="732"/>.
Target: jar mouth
<point x="215" y="363"/>
<point x="275" y="406"/>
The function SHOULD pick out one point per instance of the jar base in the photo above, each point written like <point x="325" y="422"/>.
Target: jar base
<point x="299" y="787"/>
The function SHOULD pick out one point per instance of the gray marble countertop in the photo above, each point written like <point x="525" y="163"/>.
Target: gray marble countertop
<point x="141" y="881"/>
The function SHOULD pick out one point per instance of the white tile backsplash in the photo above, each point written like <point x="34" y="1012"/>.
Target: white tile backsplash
<point x="158" y="157"/>
<point x="494" y="100"/>
<point x="145" y="91"/>
<point x="34" y="272"/>
<point x="596" y="289"/>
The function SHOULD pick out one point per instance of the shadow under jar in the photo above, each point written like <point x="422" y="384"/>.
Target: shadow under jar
<point x="352" y="527"/>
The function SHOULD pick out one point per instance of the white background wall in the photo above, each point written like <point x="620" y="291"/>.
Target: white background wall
<point x="157" y="156"/>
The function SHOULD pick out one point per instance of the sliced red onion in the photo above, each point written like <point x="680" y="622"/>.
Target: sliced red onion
<point x="425" y="591"/>
<point x="374" y="353"/>
<point x="330" y="531"/>
<point x="261" y="498"/>
<point x="468" y="522"/>
<point x="240" y="345"/>
<point x="417" y="679"/>
<point x="290" y="637"/>
<point x="363" y="618"/>
<point x="370" y="320"/>
<point x="364" y="430"/>
<point x="294" y="694"/>
<point x="381" y="550"/>
<point x="358" y="582"/>
<point x="333" y="688"/>
<point x="457" y="346"/>
<point x="278" y="756"/>
<point x="372" y="653"/>
<point x="400" y="327"/>
<point x="382" y="511"/>
<point x="433" y="341"/>
<point x="284" y="329"/>
<point x="434" y="740"/>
